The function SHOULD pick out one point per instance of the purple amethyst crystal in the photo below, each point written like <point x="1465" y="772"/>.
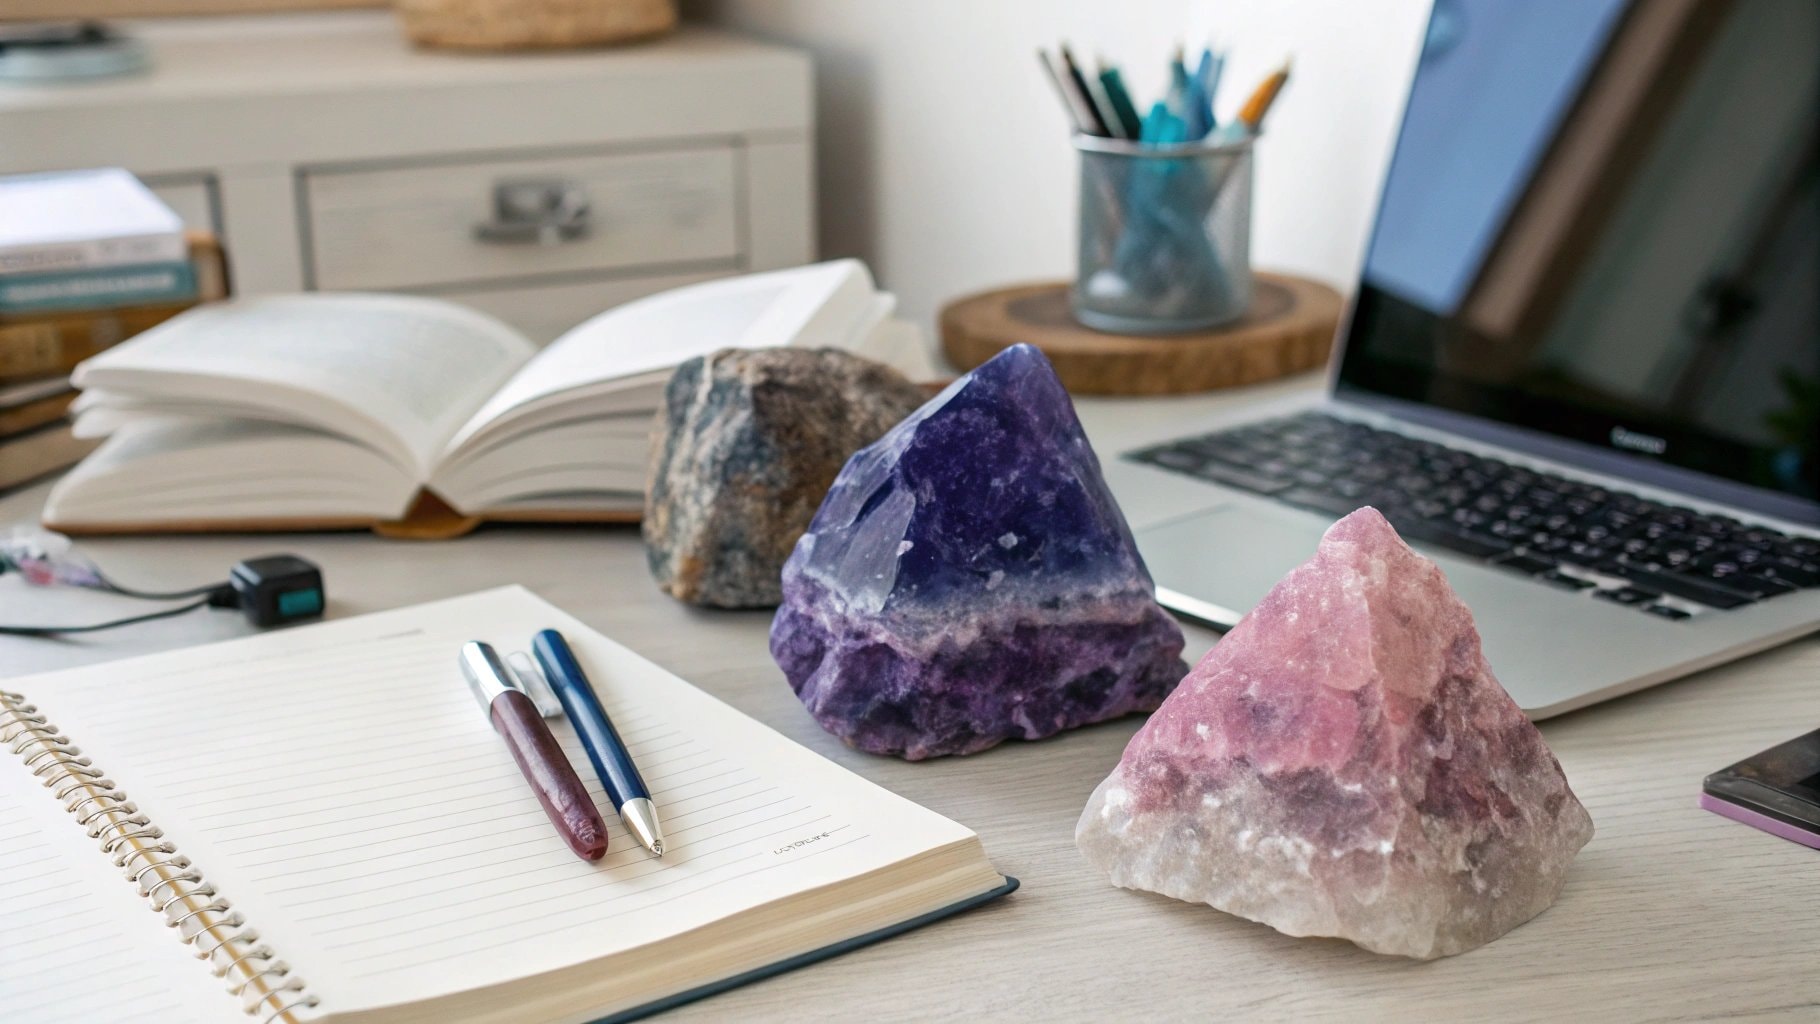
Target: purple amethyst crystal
<point x="970" y="579"/>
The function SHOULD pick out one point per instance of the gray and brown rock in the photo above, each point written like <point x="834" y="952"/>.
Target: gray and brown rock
<point x="747" y="444"/>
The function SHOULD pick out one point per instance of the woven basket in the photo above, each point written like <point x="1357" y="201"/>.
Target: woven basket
<point x="532" y="24"/>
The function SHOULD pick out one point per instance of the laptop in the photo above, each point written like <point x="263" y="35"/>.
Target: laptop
<point x="1581" y="370"/>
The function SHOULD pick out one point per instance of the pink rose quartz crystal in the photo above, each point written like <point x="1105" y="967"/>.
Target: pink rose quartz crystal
<point x="1345" y="764"/>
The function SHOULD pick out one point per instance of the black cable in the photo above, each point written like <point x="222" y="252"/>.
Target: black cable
<point x="93" y="627"/>
<point x="155" y="595"/>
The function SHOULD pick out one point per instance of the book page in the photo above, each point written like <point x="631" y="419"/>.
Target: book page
<point x="157" y="469"/>
<point x="598" y="454"/>
<point x="399" y="372"/>
<point x="78" y="945"/>
<point x="823" y="304"/>
<point x="342" y="786"/>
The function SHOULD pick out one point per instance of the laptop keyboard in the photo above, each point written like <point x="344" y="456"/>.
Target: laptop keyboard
<point x="1658" y="558"/>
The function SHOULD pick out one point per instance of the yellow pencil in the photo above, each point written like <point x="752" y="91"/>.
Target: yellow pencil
<point x="1251" y="115"/>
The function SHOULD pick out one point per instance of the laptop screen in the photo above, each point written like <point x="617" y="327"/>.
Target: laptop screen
<point x="1602" y="223"/>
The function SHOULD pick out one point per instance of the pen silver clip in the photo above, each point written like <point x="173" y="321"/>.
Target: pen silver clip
<point x="531" y="680"/>
<point x="487" y="676"/>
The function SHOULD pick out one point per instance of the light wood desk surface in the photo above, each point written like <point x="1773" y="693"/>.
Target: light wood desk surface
<point x="1670" y="914"/>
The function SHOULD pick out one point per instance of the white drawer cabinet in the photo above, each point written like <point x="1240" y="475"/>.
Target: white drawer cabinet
<point x="330" y="155"/>
<point x="423" y="224"/>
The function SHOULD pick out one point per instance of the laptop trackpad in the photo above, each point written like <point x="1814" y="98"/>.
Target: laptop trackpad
<point x="1224" y="560"/>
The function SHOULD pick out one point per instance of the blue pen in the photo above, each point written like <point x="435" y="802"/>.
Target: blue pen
<point x="1201" y="88"/>
<point x="1212" y="85"/>
<point x="1176" y="97"/>
<point x="1195" y="113"/>
<point x="612" y="761"/>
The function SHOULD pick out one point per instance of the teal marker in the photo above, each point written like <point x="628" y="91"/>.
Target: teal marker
<point x="1120" y="98"/>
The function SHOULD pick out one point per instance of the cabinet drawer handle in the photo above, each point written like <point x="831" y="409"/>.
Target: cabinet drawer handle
<point x="536" y="211"/>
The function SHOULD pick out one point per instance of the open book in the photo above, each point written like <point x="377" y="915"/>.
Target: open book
<point x="324" y="817"/>
<point x="330" y="411"/>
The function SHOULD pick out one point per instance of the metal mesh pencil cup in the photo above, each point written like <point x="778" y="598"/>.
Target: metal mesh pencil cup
<point x="1165" y="235"/>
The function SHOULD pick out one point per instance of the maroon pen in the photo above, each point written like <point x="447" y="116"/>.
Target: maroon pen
<point x="545" y="767"/>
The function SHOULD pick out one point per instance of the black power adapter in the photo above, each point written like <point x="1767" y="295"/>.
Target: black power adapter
<point x="273" y="591"/>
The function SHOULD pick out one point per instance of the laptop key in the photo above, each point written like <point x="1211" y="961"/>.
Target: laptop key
<point x="1789" y="570"/>
<point x="1177" y="458"/>
<point x="1243" y="479"/>
<point x="1752" y="584"/>
<point x="1194" y="463"/>
<point x="1349" y="488"/>
<point x="1799" y="547"/>
<point x="1449" y="538"/>
<point x="1628" y="595"/>
<point x="1320" y="501"/>
<point x="1528" y="565"/>
<point x="1561" y="579"/>
<point x="1691" y="588"/>
<point x="1206" y="447"/>
<point x="1583" y="553"/>
<point x="1311" y="477"/>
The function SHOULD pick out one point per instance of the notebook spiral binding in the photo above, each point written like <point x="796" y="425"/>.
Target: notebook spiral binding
<point x="203" y="919"/>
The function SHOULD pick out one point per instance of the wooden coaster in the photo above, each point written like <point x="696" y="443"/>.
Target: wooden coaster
<point x="1289" y="328"/>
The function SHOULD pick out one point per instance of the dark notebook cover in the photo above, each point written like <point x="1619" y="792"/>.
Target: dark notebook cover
<point x="805" y="959"/>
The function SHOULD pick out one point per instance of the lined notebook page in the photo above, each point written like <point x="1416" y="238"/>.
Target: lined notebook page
<point x="342" y="786"/>
<point x="77" y="943"/>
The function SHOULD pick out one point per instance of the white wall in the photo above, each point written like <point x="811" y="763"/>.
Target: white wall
<point x="943" y="155"/>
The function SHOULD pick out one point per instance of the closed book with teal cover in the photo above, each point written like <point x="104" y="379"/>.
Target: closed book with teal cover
<point x="103" y="288"/>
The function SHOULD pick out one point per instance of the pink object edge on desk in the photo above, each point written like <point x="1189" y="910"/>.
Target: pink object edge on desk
<point x="1780" y="829"/>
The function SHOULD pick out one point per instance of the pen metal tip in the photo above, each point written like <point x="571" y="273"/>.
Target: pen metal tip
<point x="640" y="819"/>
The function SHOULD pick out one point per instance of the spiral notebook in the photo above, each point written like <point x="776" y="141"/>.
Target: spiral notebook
<point x="319" y="825"/>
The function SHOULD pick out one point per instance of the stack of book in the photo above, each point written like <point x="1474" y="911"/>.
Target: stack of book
<point x="87" y="260"/>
